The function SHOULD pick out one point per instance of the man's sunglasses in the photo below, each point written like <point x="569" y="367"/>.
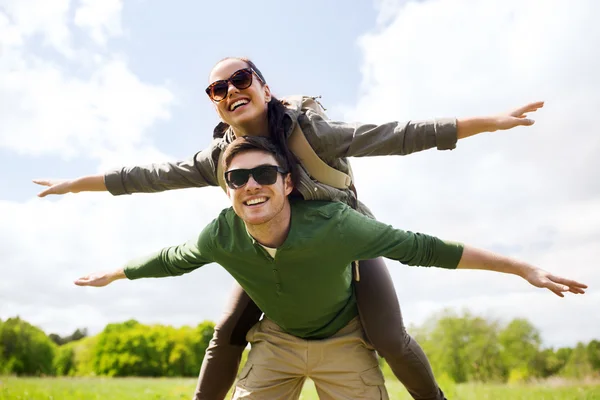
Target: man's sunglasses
<point x="263" y="175"/>
<point x="241" y="79"/>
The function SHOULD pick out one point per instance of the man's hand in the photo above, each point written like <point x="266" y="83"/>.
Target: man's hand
<point x="100" y="279"/>
<point x="544" y="279"/>
<point x="55" y="186"/>
<point x="516" y="117"/>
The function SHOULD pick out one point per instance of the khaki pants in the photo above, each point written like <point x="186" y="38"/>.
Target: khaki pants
<point x="343" y="366"/>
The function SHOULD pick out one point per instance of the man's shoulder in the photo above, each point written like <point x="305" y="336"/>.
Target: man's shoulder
<point x="323" y="209"/>
<point x="223" y="224"/>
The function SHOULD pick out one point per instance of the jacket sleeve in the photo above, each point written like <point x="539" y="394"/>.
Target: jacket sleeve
<point x="364" y="238"/>
<point x="175" y="260"/>
<point x="200" y="171"/>
<point x="334" y="139"/>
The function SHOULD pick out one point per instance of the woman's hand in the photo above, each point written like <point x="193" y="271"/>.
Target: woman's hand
<point x="92" y="183"/>
<point x="518" y="117"/>
<point x="55" y="186"/>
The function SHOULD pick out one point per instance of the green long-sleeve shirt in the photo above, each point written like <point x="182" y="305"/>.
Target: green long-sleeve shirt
<point x="306" y="289"/>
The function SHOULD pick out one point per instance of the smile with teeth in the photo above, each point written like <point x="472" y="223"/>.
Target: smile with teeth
<point x="258" y="200"/>
<point x="238" y="103"/>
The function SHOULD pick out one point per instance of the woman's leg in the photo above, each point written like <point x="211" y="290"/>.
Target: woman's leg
<point x="382" y="321"/>
<point x="223" y="355"/>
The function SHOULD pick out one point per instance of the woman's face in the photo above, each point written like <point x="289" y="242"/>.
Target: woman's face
<point x="240" y="107"/>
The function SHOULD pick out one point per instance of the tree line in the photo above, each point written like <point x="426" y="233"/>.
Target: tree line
<point x="465" y="347"/>
<point x="121" y="349"/>
<point x="461" y="347"/>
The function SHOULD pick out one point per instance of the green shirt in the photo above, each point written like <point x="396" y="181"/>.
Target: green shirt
<point x="307" y="288"/>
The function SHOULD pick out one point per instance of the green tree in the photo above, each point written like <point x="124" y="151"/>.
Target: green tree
<point x="64" y="360"/>
<point x="593" y="349"/>
<point x="463" y="347"/>
<point x="563" y="354"/>
<point x="520" y="343"/>
<point x="128" y="349"/>
<point x="578" y="366"/>
<point x="181" y="359"/>
<point x="77" y="335"/>
<point x="133" y="349"/>
<point x="83" y="355"/>
<point x="57" y="339"/>
<point x="200" y="341"/>
<point x="547" y="363"/>
<point x="26" y="350"/>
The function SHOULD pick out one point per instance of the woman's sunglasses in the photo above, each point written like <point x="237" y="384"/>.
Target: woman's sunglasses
<point x="263" y="175"/>
<point x="241" y="79"/>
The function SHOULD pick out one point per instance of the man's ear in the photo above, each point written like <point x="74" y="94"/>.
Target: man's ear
<point x="267" y="92"/>
<point x="289" y="185"/>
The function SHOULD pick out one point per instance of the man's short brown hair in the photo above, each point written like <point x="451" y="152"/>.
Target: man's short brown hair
<point x="259" y="143"/>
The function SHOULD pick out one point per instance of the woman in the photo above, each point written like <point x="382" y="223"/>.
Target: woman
<point x="246" y="106"/>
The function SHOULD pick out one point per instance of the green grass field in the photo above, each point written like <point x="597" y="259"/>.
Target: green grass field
<point x="157" y="389"/>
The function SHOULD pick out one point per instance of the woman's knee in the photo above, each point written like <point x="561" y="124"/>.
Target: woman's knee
<point x="390" y="341"/>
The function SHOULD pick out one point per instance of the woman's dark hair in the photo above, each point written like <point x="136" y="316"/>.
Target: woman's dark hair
<point x="275" y="114"/>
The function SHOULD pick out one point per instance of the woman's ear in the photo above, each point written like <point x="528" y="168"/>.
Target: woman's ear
<point x="267" y="92"/>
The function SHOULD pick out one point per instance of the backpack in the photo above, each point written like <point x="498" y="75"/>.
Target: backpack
<point x="303" y="151"/>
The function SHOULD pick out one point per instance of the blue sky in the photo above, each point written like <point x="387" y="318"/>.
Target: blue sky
<point x="89" y="85"/>
<point x="177" y="43"/>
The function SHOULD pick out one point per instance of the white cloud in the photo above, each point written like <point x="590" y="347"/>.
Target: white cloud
<point x="91" y="105"/>
<point x="48" y="112"/>
<point x="101" y="17"/>
<point x="533" y="192"/>
<point x="46" y="18"/>
<point x="46" y="108"/>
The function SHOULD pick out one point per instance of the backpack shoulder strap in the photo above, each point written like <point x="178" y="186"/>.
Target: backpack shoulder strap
<point x="307" y="156"/>
<point x="316" y="167"/>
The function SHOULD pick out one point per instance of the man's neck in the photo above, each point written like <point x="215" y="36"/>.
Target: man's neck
<point x="274" y="232"/>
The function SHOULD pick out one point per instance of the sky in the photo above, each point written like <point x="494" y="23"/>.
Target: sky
<point x="91" y="85"/>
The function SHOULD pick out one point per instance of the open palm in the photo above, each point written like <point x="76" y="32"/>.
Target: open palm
<point x="517" y="117"/>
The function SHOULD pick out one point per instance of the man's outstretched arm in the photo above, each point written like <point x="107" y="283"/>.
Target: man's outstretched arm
<point x="364" y="238"/>
<point x="170" y="261"/>
<point x="473" y="258"/>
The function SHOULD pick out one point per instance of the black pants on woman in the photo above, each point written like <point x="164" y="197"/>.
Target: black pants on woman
<point x="381" y="319"/>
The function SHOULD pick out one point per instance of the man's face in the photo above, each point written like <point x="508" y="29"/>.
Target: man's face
<point x="254" y="203"/>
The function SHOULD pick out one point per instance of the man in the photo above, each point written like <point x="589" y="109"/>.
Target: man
<point x="293" y="258"/>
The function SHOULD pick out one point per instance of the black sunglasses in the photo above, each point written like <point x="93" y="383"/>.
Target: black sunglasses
<point x="241" y="79"/>
<point x="263" y="175"/>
